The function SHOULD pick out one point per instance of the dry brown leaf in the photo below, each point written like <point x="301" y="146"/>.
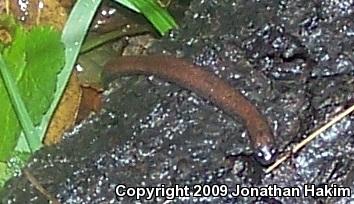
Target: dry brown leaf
<point x="91" y="102"/>
<point x="67" y="3"/>
<point x="36" y="12"/>
<point x="66" y="113"/>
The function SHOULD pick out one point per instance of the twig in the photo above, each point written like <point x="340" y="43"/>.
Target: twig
<point x="7" y="6"/>
<point x="39" y="11"/>
<point x="300" y="145"/>
<point x="39" y="187"/>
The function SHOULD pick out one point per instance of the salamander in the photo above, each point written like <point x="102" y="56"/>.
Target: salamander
<point x="208" y="86"/>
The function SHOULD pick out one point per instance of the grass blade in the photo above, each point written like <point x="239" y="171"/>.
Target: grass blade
<point x="157" y="15"/>
<point x="73" y="35"/>
<point x="18" y="105"/>
<point x="128" y="4"/>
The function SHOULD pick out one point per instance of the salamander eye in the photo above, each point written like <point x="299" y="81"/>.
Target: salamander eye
<point x="266" y="155"/>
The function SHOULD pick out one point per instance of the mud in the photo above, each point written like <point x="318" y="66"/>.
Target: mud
<point x="293" y="59"/>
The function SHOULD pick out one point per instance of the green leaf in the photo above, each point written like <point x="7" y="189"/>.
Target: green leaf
<point x="128" y="4"/>
<point x="33" y="59"/>
<point x="4" y="173"/>
<point x="73" y="35"/>
<point x="16" y="101"/>
<point x="10" y="127"/>
<point x="45" y="58"/>
<point x="12" y="167"/>
<point x="9" y="124"/>
<point x="14" y="55"/>
<point x="156" y="14"/>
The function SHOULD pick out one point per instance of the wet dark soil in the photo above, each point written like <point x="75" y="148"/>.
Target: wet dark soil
<point x="293" y="59"/>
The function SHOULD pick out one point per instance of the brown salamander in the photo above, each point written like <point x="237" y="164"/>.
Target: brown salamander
<point x="206" y="85"/>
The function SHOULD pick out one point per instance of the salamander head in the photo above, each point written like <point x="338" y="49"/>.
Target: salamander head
<point x="266" y="154"/>
<point x="263" y="142"/>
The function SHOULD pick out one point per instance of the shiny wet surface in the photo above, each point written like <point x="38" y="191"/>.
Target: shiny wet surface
<point x="293" y="59"/>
